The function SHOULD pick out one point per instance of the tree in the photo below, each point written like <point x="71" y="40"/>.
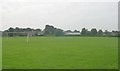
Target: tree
<point x="68" y="31"/>
<point x="84" y="31"/>
<point x="107" y="33"/>
<point x="11" y="29"/>
<point x="28" y="29"/>
<point x="76" y="31"/>
<point x="93" y="32"/>
<point x="100" y="33"/>
<point x="38" y="30"/>
<point x="118" y="33"/>
<point x="50" y="30"/>
<point x="17" y="29"/>
<point x="58" y="32"/>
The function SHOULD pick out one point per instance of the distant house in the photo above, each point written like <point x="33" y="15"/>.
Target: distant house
<point x="72" y="33"/>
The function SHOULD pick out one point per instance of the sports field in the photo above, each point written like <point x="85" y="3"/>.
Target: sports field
<point x="0" y="52"/>
<point x="60" y="52"/>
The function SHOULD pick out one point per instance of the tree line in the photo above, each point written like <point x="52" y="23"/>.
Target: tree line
<point x="17" y="29"/>
<point x="50" y="30"/>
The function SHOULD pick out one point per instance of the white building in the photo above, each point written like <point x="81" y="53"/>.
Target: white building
<point x="72" y="33"/>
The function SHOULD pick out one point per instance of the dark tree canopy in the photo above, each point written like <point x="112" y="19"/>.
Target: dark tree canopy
<point x="11" y="29"/>
<point x="107" y="33"/>
<point x="38" y="29"/>
<point x="50" y="30"/>
<point x="76" y="31"/>
<point x="84" y="31"/>
<point x="100" y="32"/>
<point x="68" y="31"/>
<point x="93" y="32"/>
<point x="53" y="31"/>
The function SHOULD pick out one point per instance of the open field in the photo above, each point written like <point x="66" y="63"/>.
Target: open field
<point x="0" y="52"/>
<point x="61" y="52"/>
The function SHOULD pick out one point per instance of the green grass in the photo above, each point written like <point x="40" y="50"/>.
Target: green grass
<point x="0" y="53"/>
<point x="60" y="52"/>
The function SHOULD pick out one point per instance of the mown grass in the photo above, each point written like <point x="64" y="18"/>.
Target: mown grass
<point x="0" y="52"/>
<point x="60" y="52"/>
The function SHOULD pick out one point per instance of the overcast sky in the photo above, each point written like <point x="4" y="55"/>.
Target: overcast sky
<point x="72" y="14"/>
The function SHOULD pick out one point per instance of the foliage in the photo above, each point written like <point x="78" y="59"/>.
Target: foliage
<point x="93" y="32"/>
<point x="84" y="32"/>
<point x="50" y="30"/>
<point x="100" y="33"/>
<point x="53" y="31"/>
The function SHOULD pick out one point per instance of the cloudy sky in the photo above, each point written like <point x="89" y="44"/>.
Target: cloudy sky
<point x="64" y="14"/>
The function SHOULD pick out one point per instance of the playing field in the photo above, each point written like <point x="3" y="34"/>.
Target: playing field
<point x="60" y="52"/>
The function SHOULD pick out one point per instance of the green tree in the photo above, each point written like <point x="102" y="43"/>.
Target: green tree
<point x="84" y="31"/>
<point x="100" y="33"/>
<point x="28" y="29"/>
<point x="68" y="31"/>
<point x="76" y="31"/>
<point x="107" y="33"/>
<point x="38" y="30"/>
<point x="17" y="29"/>
<point x="11" y="29"/>
<point x="93" y="32"/>
<point x="59" y="32"/>
<point x="50" y="30"/>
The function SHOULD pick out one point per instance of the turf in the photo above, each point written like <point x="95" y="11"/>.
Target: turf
<point x="60" y="52"/>
<point x="0" y="53"/>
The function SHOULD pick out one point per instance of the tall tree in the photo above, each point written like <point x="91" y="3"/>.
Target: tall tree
<point x="107" y="33"/>
<point x="76" y="31"/>
<point x="28" y="29"/>
<point x="93" y="32"/>
<point x="17" y="29"/>
<point x="84" y="31"/>
<point x="11" y="29"/>
<point x="100" y="33"/>
<point x="50" y="30"/>
<point x="38" y="30"/>
<point x="68" y="31"/>
<point x="58" y="32"/>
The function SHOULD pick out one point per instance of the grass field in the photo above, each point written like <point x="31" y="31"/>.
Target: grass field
<point x="0" y="52"/>
<point x="60" y="52"/>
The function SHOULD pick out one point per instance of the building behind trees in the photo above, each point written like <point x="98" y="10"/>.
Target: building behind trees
<point x="53" y="31"/>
